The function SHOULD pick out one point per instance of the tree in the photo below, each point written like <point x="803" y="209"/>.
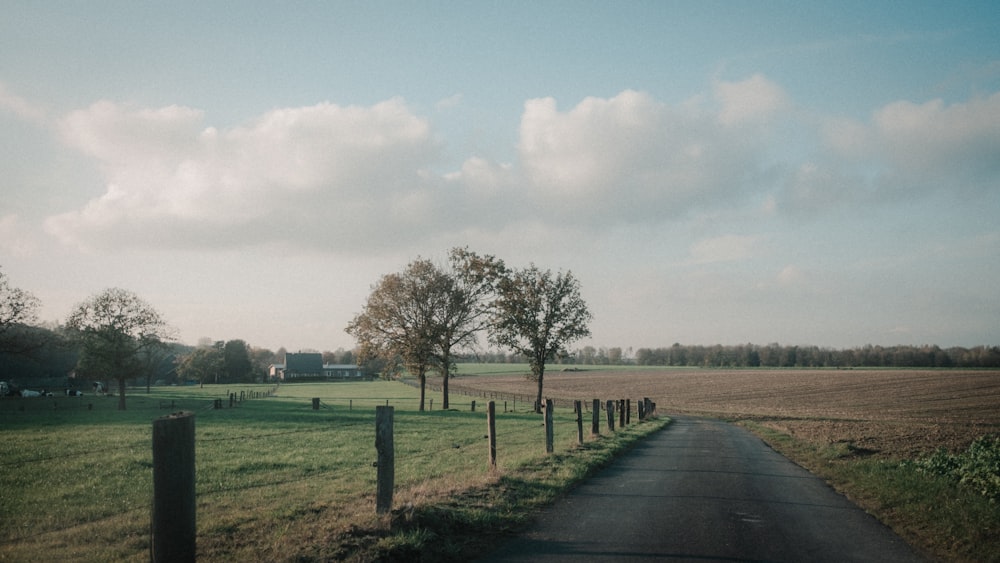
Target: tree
<point x="236" y="357"/>
<point x="203" y="365"/>
<point x="18" y="309"/>
<point x="462" y="310"/>
<point x="114" y="328"/>
<point x="537" y="314"/>
<point x="398" y="324"/>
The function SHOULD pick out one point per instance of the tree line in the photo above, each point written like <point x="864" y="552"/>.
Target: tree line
<point x="778" y="356"/>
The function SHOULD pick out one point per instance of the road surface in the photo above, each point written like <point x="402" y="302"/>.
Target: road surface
<point x="703" y="490"/>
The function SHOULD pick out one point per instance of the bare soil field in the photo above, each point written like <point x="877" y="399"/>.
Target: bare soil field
<point x="886" y="413"/>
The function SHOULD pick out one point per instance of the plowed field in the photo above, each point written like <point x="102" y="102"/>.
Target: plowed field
<point x="891" y="413"/>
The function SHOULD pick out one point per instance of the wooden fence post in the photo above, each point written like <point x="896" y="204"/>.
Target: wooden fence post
<point x="491" y="432"/>
<point x="628" y="411"/>
<point x="595" y="425"/>
<point x="621" y="413"/>
<point x="315" y="403"/>
<point x="642" y="410"/>
<point x="578" y="405"/>
<point x="611" y="415"/>
<point x="473" y="406"/>
<point x="549" y="431"/>
<point x="174" y="509"/>
<point x="386" y="459"/>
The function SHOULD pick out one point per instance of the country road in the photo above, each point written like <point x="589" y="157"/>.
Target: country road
<point x="703" y="490"/>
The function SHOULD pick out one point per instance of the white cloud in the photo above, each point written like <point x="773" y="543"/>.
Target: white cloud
<point x="790" y="275"/>
<point x="941" y="146"/>
<point x="358" y="178"/>
<point x="22" y="108"/>
<point x="323" y="175"/>
<point x="449" y="102"/>
<point x="630" y="158"/>
<point x="749" y="101"/>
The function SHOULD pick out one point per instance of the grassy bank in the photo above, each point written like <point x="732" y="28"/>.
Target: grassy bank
<point x="277" y="480"/>
<point x="933" y="512"/>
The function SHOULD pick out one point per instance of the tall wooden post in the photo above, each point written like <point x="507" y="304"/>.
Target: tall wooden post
<point x="549" y="431"/>
<point x="174" y="530"/>
<point x="315" y="403"/>
<point x="386" y="478"/>
<point x="595" y="425"/>
<point x="611" y="415"/>
<point x="578" y="405"/>
<point x="628" y="411"/>
<point x="491" y="433"/>
<point x="621" y="413"/>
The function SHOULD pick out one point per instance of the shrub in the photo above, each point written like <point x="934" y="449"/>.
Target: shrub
<point x="977" y="468"/>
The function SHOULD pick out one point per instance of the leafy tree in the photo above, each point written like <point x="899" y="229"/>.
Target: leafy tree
<point x="537" y="313"/>
<point x="18" y="310"/>
<point x="203" y="365"/>
<point x="398" y="323"/>
<point x="154" y="359"/>
<point x="114" y="329"/>
<point x="236" y="357"/>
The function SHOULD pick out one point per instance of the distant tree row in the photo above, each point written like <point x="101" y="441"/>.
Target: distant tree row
<point x="776" y="355"/>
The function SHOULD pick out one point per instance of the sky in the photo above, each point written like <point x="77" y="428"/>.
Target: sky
<point x="810" y="173"/>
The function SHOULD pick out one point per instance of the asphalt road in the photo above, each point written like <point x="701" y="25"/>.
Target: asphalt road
<point x="703" y="490"/>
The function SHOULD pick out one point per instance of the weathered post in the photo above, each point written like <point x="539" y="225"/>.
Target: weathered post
<point x="578" y="405"/>
<point x="549" y="431"/>
<point x="473" y="406"/>
<point x="628" y="411"/>
<point x="315" y="403"/>
<point x="491" y="433"/>
<point x="595" y="425"/>
<point x="610" y="406"/>
<point x="621" y="413"/>
<point x="386" y="475"/>
<point x="642" y="410"/>
<point x="173" y="527"/>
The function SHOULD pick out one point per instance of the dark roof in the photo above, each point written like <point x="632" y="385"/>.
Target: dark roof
<point x="304" y="362"/>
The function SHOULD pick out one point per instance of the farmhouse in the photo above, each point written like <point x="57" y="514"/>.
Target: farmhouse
<point x="309" y="366"/>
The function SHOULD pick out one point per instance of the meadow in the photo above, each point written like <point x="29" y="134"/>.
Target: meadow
<point x="276" y="479"/>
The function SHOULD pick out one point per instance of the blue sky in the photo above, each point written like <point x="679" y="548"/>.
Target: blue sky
<point x="713" y="172"/>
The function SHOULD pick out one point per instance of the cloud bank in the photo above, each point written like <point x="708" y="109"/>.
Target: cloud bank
<point x="333" y="177"/>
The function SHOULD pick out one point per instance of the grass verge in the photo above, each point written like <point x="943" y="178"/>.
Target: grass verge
<point x="466" y="524"/>
<point x="934" y="513"/>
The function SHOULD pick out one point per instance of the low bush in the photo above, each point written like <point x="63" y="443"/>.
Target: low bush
<point x="978" y="468"/>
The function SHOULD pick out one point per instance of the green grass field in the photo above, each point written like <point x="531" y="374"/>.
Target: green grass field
<point x="272" y="473"/>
